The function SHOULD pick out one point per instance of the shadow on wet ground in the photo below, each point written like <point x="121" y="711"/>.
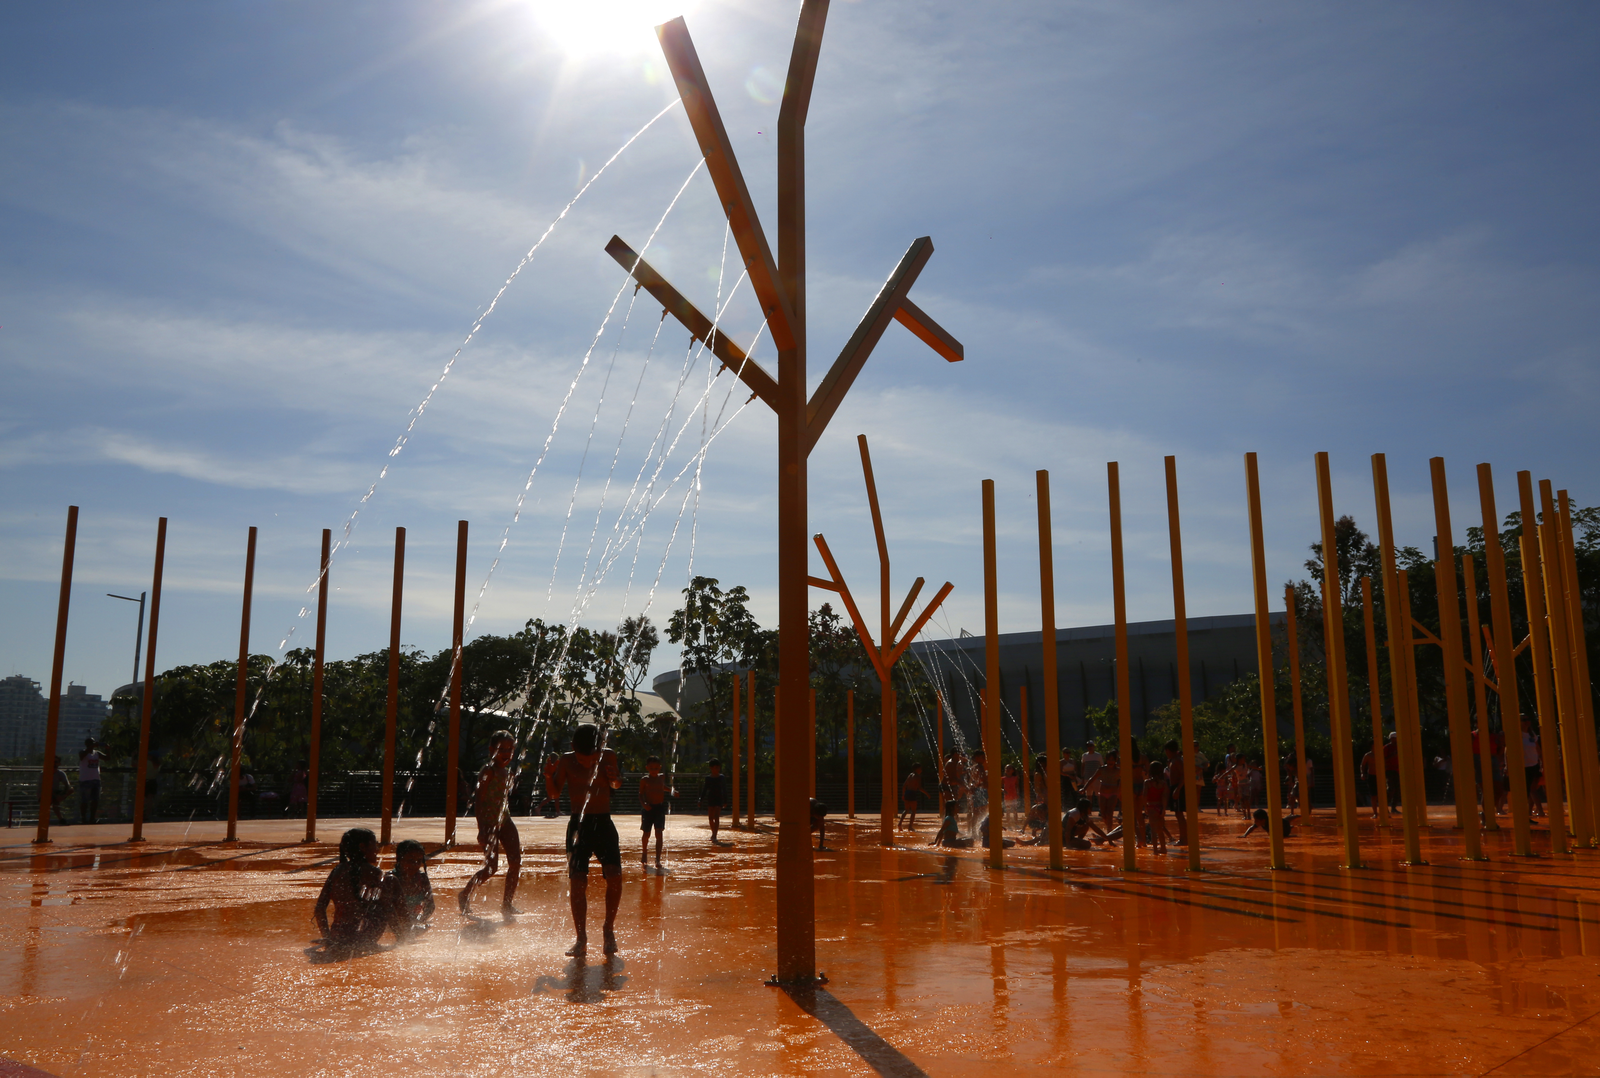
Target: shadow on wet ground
<point x="180" y="958"/>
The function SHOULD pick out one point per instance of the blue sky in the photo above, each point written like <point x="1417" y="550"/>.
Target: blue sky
<point x="242" y="241"/>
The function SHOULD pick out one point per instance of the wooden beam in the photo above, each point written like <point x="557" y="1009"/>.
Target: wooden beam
<point x="850" y="607"/>
<point x="818" y="582"/>
<point x="831" y="392"/>
<point x="905" y="608"/>
<point x="934" y="335"/>
<point x="732" y="356"/>
<point x="916" y="626"/>
<point x="701" y="108"/>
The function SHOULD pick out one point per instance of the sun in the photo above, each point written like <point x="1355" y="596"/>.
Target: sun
<point x="585" y="28"/>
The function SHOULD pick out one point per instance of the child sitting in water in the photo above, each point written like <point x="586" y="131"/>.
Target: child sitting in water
<point x="407" y="891"/>
<point x="949" y="833"/>
<point x="354" y="887"/>
<point x="1259" y="821"/>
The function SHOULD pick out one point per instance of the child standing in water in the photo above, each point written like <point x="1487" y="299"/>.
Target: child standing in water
<point x="496" y="831"/>
<point x="652" y="809"/>
<point x="354" y="887"/>
<point x="713" y="797"/>
<point x="1155" y="806"/>
<point x="911" y="798"/>
<point x="588" y="774"/>
<point x="407" y="891"/>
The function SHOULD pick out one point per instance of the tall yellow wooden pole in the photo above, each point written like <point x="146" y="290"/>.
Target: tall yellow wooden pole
<point x="47" y="768"/>
<point x="991" y="685"/>
<point x="1582" y="689"/>
<point x="1494" y="566"/>
<point x="1455" y="681"/>
<point x="1052" y="716"/>
<point x="813" y="707"/>
<point x="750" y="750"/>
<point x="1413" y="734"/>
<point x="1291" y="606"/>
<point x="850" y="750"/>
<point x="392" y="704"/>
<point x="452" y="768"/>
<point x="1550" y="749"/>
<point x="733" y="760"/>
<point x="147" y="697"/>
<point x="1338" y="677"/>
<point x="1180" y="635"/>
<point x="1269" y="706"/>
<point x="1480" y="698"/>
<point x="1561" y="662"/>
<point x="240" y="696"/>
<point x="1397" y="626"/>
<point x="938" y="703"/>
<point x="1375" y="704"/>
<point x="1027" y="749"/>
<point x="1130" y="813"/>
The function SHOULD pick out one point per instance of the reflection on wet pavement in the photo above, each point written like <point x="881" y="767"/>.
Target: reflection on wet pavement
<point x="180" y="958"/>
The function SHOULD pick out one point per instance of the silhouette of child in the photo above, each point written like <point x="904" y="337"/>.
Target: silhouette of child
<point x="407" y="891"/>
<point x="354" y="888"/>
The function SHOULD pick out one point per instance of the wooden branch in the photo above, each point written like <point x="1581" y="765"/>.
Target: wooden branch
<point x="916" y="626"/>
<point x="701" y="108"/>
<point x="934" y="335"/>
<point x="732" y="356"/>
<point x="818" y="582"/>
<point x="831" y="392"/>
<point x="850" y="607"/>
<point x="905" y="608"/>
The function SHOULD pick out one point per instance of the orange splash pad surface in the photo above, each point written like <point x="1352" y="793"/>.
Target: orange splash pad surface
<point x="188" y="956"/>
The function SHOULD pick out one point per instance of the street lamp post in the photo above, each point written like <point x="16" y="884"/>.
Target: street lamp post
<point x="138" y="638"/>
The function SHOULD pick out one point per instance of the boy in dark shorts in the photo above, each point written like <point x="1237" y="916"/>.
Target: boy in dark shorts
<point x="911" y="798"/>
<point x="589" y="773"/>
<point x="713" y="797"/>
<point x="407" y="891"/>
<point x="496" y="830"/>
<point x="819" y="823"/>
<point x="652" y="809"/>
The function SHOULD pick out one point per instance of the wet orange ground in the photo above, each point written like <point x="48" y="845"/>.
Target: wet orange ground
<point x="189" y="957"/>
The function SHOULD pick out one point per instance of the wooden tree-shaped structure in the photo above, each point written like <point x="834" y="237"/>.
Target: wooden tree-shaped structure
<point x="781" y="289"/>
<point x="886" y="654"/>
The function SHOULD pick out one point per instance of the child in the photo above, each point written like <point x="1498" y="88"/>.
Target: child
<point x="1260" y="820"/>
<point x="1077" y="823"/>
<point x="588" y="774"/>
<point x="354" y="887"/>
<point x="496" y="831"/>
<point x="911" y="798"/>
<point x="652" y="809"/>
<point x="1011" y="790"/>
<point x="949" y="833"/>
<point x="407" y="891"/>
<point x="819" y="819"/>
<point x="1155" y="806"/>
<point x="713" y="798"/>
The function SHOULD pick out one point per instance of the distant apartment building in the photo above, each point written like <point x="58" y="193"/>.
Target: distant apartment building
<point x="24" y="709"/>
<point x="22" y="714"/>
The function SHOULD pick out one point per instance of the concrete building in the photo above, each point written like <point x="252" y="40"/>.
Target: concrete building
<point x="1221" y="649"/>
<point x="22" y="714"/>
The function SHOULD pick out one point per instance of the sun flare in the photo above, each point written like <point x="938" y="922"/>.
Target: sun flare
<point x="584" y="28"/>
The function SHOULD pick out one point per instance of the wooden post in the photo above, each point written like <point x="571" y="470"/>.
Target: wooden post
<point x="1397" y="624"/>
<point x="52" y="723"/>
<point x="1291" y="606"/>
<point x="452" y="764"/>
<point x="147" y="697"/>
<point x="733" y="768"/>
<point x="240" y="695"/>
<point x="1052" y="723"/>
<point x="1539" y="647"/>
<point x="1413" y="735"/>
<point x="750" y="750"/>
<point x="1269" y="706"/>
<point x="1338" y="677"/>
<point x="1582" y="689"/>
<point x="1130" y="810"/>
<point x="938" y="704"/>
<point x="392" y="704"/>
<point x="1480" y="699"/>
<point x="1561" y="663"/>
<point x="850" y="751"/>
<point x="1455" y="684"/>
<point x="1180" y="633"/>
<point x="991" y="685"/>
<point x="314" y="750"/>
<point x="1375" y="705"/>
<point x="1505" y="671"/>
